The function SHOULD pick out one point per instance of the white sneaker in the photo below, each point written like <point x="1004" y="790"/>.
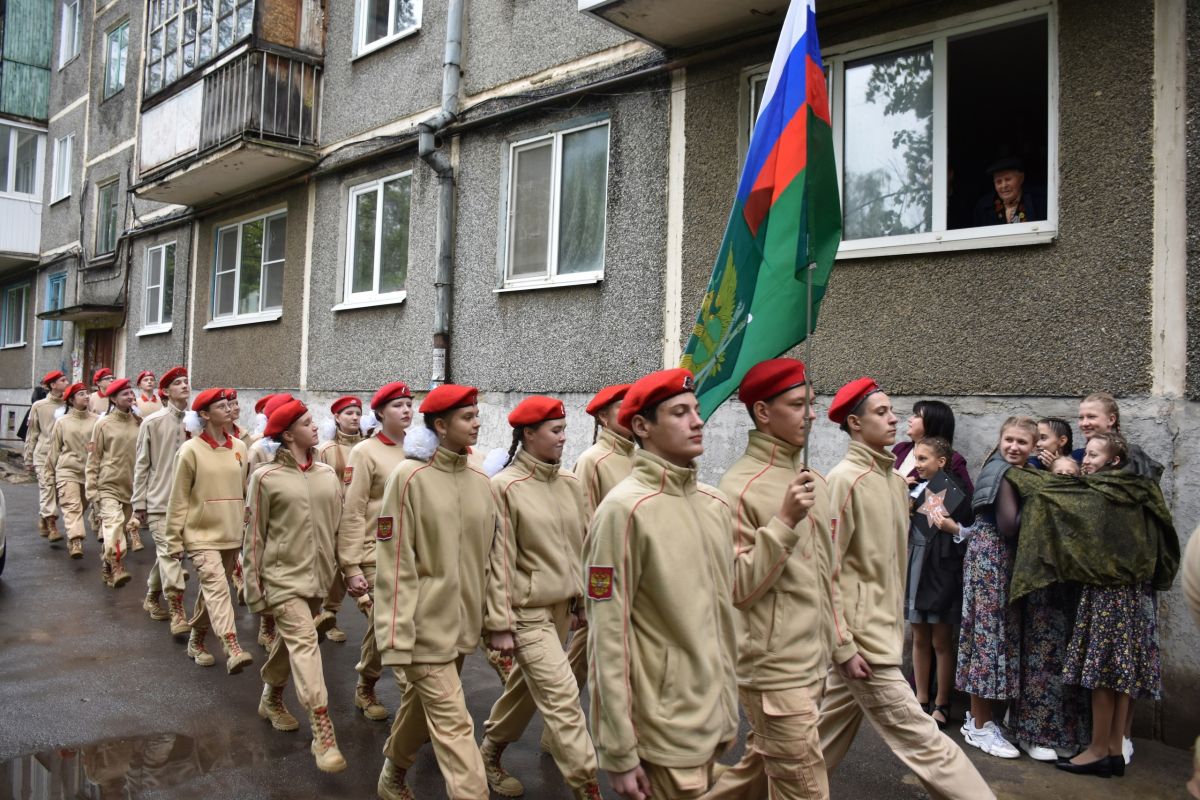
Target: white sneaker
<point x="968" y="722"/>
<point x="1127" y="749"/>
<point x="1037" y="752"/>
<point x="990" y="740"/>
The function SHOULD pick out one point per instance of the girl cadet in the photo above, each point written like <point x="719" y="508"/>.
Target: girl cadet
<point x="536" y="593"/>
<point x="65" y="462"/>
<point x="148" y="400"/>
<point x="610" y="458"/>
<point x="335" y="451"/>
<point x="204" y="518"/>
<point x="371" y="462"/>
<point x="37" y="442"/>
<point x="109" y="477"/>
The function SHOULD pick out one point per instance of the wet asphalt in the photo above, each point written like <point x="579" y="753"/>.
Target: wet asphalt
<point x="97" y="701"/>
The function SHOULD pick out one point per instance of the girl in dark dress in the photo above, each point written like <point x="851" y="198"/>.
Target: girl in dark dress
<point x="930" y="418"/>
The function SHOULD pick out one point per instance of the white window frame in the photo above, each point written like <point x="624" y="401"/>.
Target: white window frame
<point x="123" y="67"/>
<point x="362" y="47"/>
<point x="69" y="38"/>
<point x="149" y="329"/>
<point x="64" y="151"/>
<point x="23" y="288"/>
<point x="61" y="279"/>
<point x="372" y="297"/>
<point x="937" y="35"/>
<point x="15" y="129"/>
<point x="551" y="278"/>
<point x="263" y="314"/>
<point x="101" y="219"/>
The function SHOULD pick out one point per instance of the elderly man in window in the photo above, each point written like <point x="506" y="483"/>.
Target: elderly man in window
<point x="1010" y="202"/>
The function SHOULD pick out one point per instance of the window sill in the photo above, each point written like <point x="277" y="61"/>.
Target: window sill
<point x="64" y="64"/>
<point x="1026" y="233"/>
<point x="100" y="261"/>
<point x="371" y="302"/>
<point x="245" y="319"/>
<point x="58" y="200"/>
<point x="379" y="44"/>
<point x="153" y="330"/>
<point x="12" y="346"/>
<point x="589" y="279"/>
<point x="54" y="343"/>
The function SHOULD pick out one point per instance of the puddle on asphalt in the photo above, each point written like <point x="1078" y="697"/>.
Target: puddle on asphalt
<point x="123" y="769"/>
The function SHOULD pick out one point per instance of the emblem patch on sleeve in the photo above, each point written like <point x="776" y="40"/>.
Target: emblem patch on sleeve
<point x="383" y="532"/>
<point x="347" y="474"/>
<point x="600" y="583"/>
<point x="247" y="520"/>
<point x="91" y="447"/>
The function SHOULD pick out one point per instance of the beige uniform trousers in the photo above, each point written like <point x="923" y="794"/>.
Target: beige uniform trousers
<point x="577" y="651"/>
<point x="114" y="517"/>
<point x="782" y="759"/>
<point x="74" y="503"/>
<point x="167" y="572"/>
<point x="369" y="665"/>
<point x="679" y="783"/>
<point x="433" y="707"/>
<point x="542" y="678"/>
<point x="888" y="701"/>
<point x="337" y="593"/>
<point x="46" y="499"/>
<point x="214" y="608"/>
<point x="295" y="652"/>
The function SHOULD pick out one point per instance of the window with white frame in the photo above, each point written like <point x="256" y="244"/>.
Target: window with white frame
<point x="377" y="239"/>
<point x="116" y="56"/>
<point x="557" y="203"/>
<point x="20" y="149"/>
<point x="60" y="185"/>
<point x="108" y="214"/>
<point x="945" y="140"/>
<point x="159" y="287"/>
<point x="68" y="37"/>
<point x="56" y="286"/>
<point x="382" y="21"/>
<point x="184" y="34"/>
<point x="12" y="316"/>
<point x="248" y="274"/>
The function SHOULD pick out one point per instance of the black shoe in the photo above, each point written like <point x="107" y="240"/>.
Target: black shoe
<point x="1101" y="768"/>
<point x="945" y="712"/>
<point x="1117" y="766"/>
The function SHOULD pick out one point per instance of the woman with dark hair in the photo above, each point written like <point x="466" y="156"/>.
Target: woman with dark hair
<point x="930" y="418"/>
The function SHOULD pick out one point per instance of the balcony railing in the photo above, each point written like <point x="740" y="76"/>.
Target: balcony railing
<point x="263" y="95"/>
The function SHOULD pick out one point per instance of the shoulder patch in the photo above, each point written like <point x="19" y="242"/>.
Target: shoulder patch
<point x="383" y="532"/>
<point x="600" y="582"/>
<point x="347" y="475"/>
<point x="246" y="521"/>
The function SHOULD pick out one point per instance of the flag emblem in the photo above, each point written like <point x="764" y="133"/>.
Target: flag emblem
<point x="347" y="474"/>
<point x="383" y="532"/>
<point x="600" y="583"/>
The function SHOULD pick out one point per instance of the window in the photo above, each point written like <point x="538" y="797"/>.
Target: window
<point x="384" y="21"/>
<point x="557" y="201"/>
<point x="160" y="288"/>
<point x="187" y="33"/>
<point x="60" y="185"/>
<point x="118" y="54"/>
<point x="52" y="331"/>
<point x="249" y="268"/>
<point x="19" y="152"/>
<point x="12" y="316"/>
<point x="377" y="241"/>
<point x="68" y="40"/>
<point x="107" y="215"/>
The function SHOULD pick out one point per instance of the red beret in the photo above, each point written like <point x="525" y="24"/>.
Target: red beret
<point x="389" y="392"/>
<point x="170" y="376"/>
<point x="342" y="403"/>
<point x="283" y="417"/>
<point x="448" y="396"/>
<point x="101" y="374"/>
<point x="275" y="402"/>
<point x="770" y="378"/>
<point x="117" y="386"/>
<point x="850" y="396"/>
<point x="536" y="408"/>
<point x="51" y="377"/>
<point x="262" y="403"/>
<point x="208" y="397"/>
<point x="232" y="393"/>
<point x="653" y="389"/>
<point x="74" y="388"/>
<point x="606" y="397"/>
<point x="143" y="374"/>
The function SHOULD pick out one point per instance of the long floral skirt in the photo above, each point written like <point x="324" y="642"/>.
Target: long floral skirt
<point x="989" y="645"/>
<point x="1049" y="712"/>
<point x="1115" y="642"/>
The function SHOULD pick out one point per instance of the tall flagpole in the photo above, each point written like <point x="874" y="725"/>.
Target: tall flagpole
<point x="808" y="329"/>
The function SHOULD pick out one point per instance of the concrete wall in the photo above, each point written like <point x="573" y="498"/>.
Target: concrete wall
<point x="71" y="81"/>
<point x="159" y="351"/>
<point x="1193" y="198"/>
<point x="60" y="221"/>
<point x="113" y="121"/>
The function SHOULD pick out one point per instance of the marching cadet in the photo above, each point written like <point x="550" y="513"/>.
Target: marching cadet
<point x="109" y="478"/>
<point x="869" y="500"/>
<point x="347" y="414"/>
<point x="37" y="443"/>
<point x="159" y="439"/>
<point x="204" y="518"/>
<point x="782" y="572"/>
<point x="430" y="591"/>
<point x="260" y="419"/>
<point x="371" y="462"/>
<point x="292" y="511"/>
<point x="98" y="402"/>
<point x="259" y="452"/>
<point x="148" y="401"/>
<point x="660" y="620"/>
<point x="66" y="462"/>
<point x="535" y="594"/>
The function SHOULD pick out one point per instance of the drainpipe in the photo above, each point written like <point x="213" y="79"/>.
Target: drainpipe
<point x="429" y="148"/>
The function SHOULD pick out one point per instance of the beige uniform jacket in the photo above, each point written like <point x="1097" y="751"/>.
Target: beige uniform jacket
<point x="371" y="463"/>
<point x="336" y="452"/>
<point x="159" y="439"/>
<point x="97" y="403"/>
<point x="206" y="509"/>
<point x="869" y="503"/>
<point x="435" y="530"/>
<point x="660" y="622"/>
<point x="603" y="465"/>
<point x="111" y="450"/>
<point x="257" y="454"/>
<point x="66" y="459"/>
<point x="41" y="423"/>
<point x="536" y="559"/>
<point x="290" y="543"/>
<point x="148" y="405"/>
<point x="782" y="577"/>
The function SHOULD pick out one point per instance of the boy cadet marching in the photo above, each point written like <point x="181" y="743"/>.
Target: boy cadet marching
<point x="347" y="415"/>
<point x="660" y="626"/>
<point x="37" y="443"/>
<point x="101" y="380"/>
<point x="149" y="399"/>
<point x="109" y="478"/>
<point x="159" y="439"/>
<point x="66" y="461"/>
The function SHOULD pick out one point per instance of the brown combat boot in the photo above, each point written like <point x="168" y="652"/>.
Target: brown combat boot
<point x="75" y="548"/>
<point x="106" y="572"/>
<point x="391" y="785"/>
<point x="179" y="623"/>
<point x="266" y="631"/>
<point x="589" y="791"/>
<point x="52" y="532"/>
<point x="152" y="605"/>
<point x="272" y="709"/>
<point x="235" y="657"/>
<point x="196" y="649"/>
<point x="365" y="699"/>
<point x="497" y="777"/>
<point x="43" y="528"/>
<point x="120" y="576"/>
<point x="324" y="745"/>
